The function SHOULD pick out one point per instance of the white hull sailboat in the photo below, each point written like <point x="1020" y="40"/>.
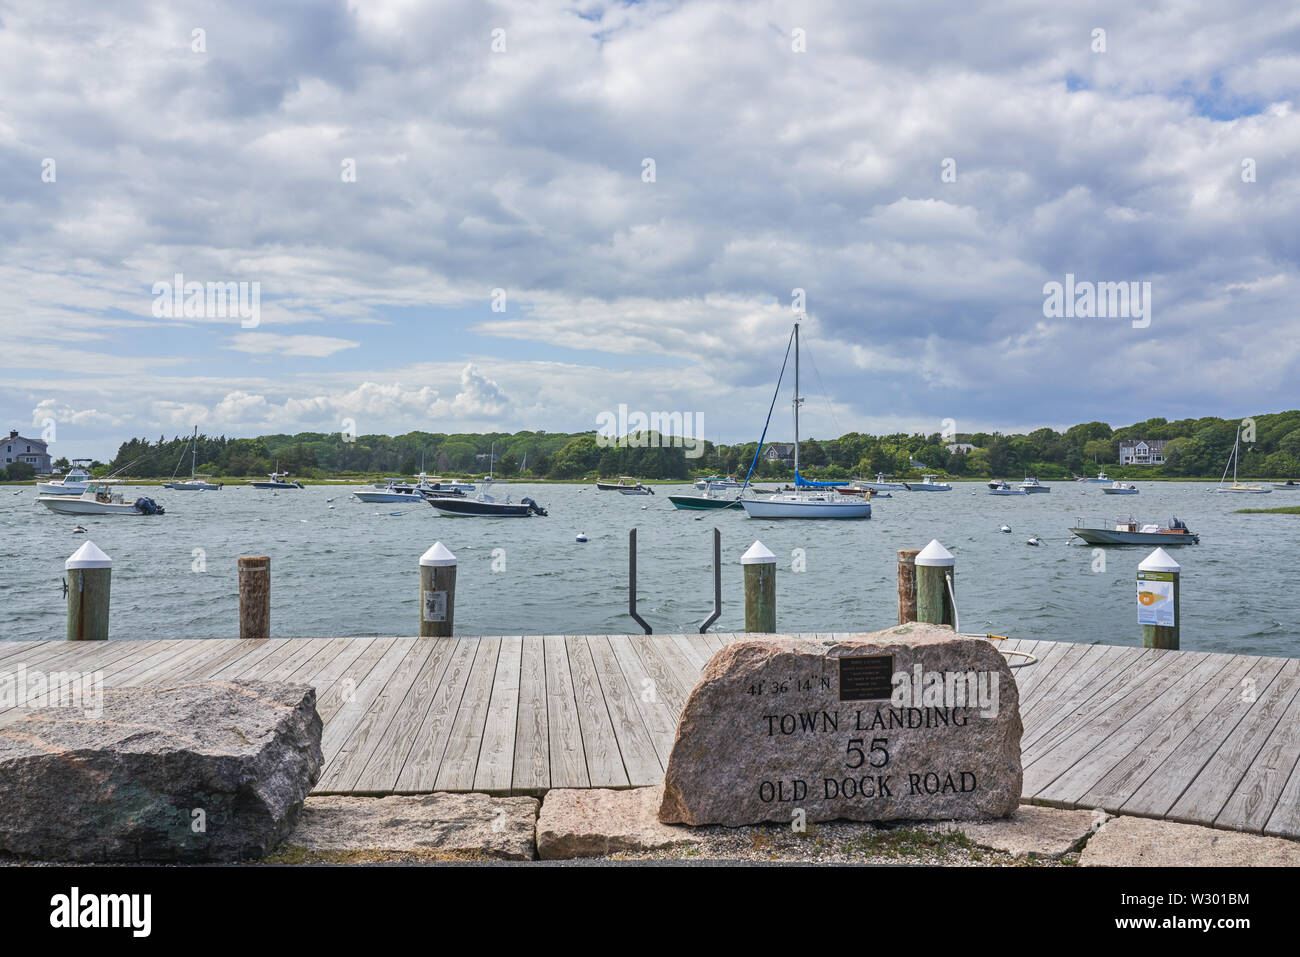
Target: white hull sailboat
<point x="195" y="482"/>
<point x="805" y="504"/>
<point x="1237" y="486"/>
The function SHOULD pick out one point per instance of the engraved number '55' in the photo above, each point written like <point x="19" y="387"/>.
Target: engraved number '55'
<point x="877" y="745"/>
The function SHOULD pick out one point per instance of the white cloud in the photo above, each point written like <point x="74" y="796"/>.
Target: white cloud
<point x="270" y="343"/>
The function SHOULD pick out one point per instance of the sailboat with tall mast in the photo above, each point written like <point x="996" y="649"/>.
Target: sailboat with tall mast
<point x="1232" y="460"/>
<point x="195" y="482"/>
<point x="809" y="499"/>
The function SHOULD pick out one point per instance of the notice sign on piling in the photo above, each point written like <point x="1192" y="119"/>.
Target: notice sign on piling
<point x="1155" y="594"/>
<point x="435" y="606"/>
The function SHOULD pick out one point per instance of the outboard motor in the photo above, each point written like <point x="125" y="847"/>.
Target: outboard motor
<point x="533" y="506"/>
<point x="147" y="506"/>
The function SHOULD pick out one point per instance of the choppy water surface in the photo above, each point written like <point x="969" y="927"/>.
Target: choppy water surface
<point x="352" y="570"/>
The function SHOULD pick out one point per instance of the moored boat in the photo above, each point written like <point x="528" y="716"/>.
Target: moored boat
<point x="1032" y="486"/>
<point x="100" y="499"/>
<point x="484" y="505"/>
<point x="73" y="483"/>
<point x="1002" y="488"/>
<point x="1128" y="532"/>
<point x="927" y="484"/>
<point x="1238" y="487"/>
<point x="820" y="501"/>
<point x="195" y="482"/>
<point x="707" y="501"/>
<point x="1119" y="488"/>
<point x="277" y="479"/>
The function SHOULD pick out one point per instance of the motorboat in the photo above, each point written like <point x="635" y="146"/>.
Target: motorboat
<point x="927" y="484"/>
<point x="708" y="501"/>
<point x="1119" y="488"/>
<point x="1032" y="486"/>
<point x="1128" y="532"/>
<point x="99" y="498"/>
<point x="277" y="479"/>
<point x="810" y="499"/>
<point x="484" y="505"/>
<point x="1290" y="485"/>
<point x="195" y="482"/>
<point x="625" y="484"/>
<point x="73" y="483"/>
<point x="391" y="493"/>
<point x="1101" y="479"/>
<point x="880" y="484"/>
<point x="716" y="482"/>
<point x="1002" y="488"/>
<point x="1236" y="486"/>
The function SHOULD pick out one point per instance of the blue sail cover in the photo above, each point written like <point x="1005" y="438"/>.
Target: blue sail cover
<point x="800" y="481"/>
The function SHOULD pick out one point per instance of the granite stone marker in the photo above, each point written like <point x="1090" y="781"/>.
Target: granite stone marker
<point x="911" y="723"/>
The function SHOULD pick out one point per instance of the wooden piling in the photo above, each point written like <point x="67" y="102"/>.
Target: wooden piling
<point x="934" y="564"/>
<point x="437" y="592"/>
<point x="255" y="596"/>
<point x="907" y="584"/>
<point x="90" y="574"/>
<point x="760" y="589"/>
<point x="1159" y="568"/>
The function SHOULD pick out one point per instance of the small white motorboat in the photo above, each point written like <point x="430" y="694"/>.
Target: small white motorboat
<point x="392" y="493"/>
<point x="99" y="499"/>
<point x="1003" y="488"/>
<point x="1033" y="486"/>
<point x="1119" y="488"/>
<point x="73" y="483"/>
<point x="1035" y="541"/>
<point x="927" y="484"/>
<point x="1006" y="529"/>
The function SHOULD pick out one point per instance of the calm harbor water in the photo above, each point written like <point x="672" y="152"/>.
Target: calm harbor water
<point x="352" y="569"/>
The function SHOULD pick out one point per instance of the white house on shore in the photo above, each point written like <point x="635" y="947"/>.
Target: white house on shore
<point x="1142" y="451"/>
<point x="18" y="448"/>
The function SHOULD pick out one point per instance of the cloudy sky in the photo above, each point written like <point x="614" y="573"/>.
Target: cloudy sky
<point x="467" y="216"/>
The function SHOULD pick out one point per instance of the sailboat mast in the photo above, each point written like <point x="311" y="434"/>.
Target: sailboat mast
<point x="796" y="403"/>
<point x="194" y="452"/>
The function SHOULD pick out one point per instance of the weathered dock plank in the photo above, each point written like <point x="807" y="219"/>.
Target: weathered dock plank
<point x="532" y="772"/>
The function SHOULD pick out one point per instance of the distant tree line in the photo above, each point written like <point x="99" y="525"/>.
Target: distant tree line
<point x="1197" y="448"/>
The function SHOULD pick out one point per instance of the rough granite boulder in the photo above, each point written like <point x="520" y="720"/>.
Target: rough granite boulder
<point x="436" y="826"/>
<point x="202" y="771"/>
<point x="590" y="822"/>
<point x="910" y="723"/>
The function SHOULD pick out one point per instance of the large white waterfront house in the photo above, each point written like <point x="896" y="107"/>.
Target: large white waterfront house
<point x="1142" y="451"/>
<point x="17" y="448"/>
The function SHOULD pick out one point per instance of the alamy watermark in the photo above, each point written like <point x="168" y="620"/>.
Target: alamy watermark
<point x="639" y="430"/>
<point x="213" y="300"/>
<point x="921" y="688"/>
<point x="24" y="688"/>
<point x="1098" y="300"/>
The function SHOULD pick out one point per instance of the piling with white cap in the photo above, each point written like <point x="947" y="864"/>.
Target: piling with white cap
<point x="89" y="579"/>
<point x="934" y="566"/>
<point x="437" y="591"/>
<point x="760" y="589"/>
<point x="1155" y="575"/>
<point x="255" y="596"/>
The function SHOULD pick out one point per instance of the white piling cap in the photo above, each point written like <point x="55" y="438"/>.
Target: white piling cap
<point x="935" y="555"/>
<point x="88" y="556"/>
<point x="1159" y="561"/>
<point x="758" y="554"/>
<point x="439" y="556"/>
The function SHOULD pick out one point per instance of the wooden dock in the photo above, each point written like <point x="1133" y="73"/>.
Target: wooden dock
<point x="1189" y="736"/>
